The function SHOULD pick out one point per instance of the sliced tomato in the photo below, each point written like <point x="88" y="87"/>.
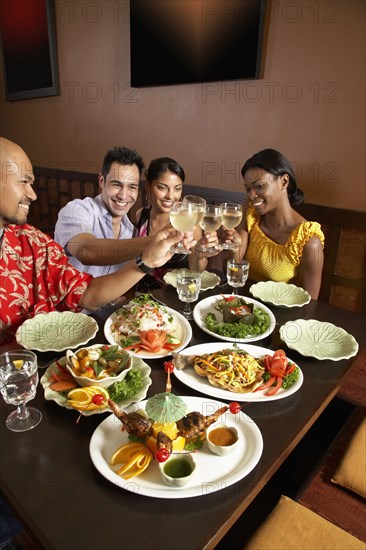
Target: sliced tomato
<point x="280" y="352"/>
<point x="153" y="340"/>
<point x="265" y="384"/>
<point x="275" y="389"/>
<point x="267" y="361"/>
<point x="290" y="368"/>
<point x="279" y="363"/>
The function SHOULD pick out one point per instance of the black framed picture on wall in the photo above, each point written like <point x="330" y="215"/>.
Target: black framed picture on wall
<point x="190" y="41"/>
<point x="28" y="44"/>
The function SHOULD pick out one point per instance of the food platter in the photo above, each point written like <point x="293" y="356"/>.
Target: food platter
<point x="213" y="472"/>
<point x="56" y="331"/>
<point x="60" y="399"/>
<point x="191" y="379"/>
<point x="318" y="339"/>
<point x="207" y="305"/>
<point x="280" y="294"/>
<point x="184" y="334"/>
<point x="208" y="280"/>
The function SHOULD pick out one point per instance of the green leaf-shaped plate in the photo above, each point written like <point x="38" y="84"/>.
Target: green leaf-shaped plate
<point x="56" y="331"/>
<point x="280" y="294"/>
<point x="208" y="280"/>
<point x="318" y="339"/>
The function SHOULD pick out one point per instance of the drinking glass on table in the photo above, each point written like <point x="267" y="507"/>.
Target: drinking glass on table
<point x="18" y="385"/>
<point x="237" y="274"/>
<point x="188" y="288"/>
<point x="211" y="221"/>
<point x="232" y="214"/>
<point x="183" y="217"/>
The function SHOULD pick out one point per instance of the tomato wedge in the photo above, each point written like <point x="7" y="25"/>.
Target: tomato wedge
<point x="265" y="384"/>
<point x="152" y="340"/>
<point x="275" y="389"/>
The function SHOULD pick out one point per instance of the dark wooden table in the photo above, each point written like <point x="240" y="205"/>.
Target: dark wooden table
<point x="47" y="475"/>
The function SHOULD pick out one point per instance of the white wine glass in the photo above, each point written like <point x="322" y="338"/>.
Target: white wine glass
<point x="211" y="221"/>
<point x="18" y="385"/>
<point x="201" y="205"/>
<point x="232" y="214"/>
<point x="183" y="217"/>
<point x="188" y="289"/>
<point x="237" y="274"/>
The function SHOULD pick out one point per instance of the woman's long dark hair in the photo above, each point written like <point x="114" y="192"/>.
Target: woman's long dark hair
<point x="159" y="166"/>
<point x="276" y="163"/>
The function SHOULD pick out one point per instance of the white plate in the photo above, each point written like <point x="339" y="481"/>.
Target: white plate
<point x="184" y="335"/>
<point x="60" y="399"/>
<point x="213" y="472"/>
<point x="191" y="379"/>
<point x="56" y="331"/>
<point x="208" y="306"/>
<point x="318" y="339"/>
<point x="208" y="280"/>
<point x="280" y="294"/>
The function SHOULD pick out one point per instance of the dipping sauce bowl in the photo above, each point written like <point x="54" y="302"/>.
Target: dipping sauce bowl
<point x="222" y="439"/>
<point x="178" y="469"/>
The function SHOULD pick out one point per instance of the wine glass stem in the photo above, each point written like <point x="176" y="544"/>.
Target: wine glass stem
<point x="235" y="290"/>
<point x="187" y="308"/>
<point x="22" y="411"/>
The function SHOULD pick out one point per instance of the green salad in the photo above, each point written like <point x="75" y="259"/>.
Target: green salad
<point x="245" y="319"/>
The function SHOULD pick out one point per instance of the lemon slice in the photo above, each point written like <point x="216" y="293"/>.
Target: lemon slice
<point x="18" y="363"/>
<point x="192" y="287"/>
<point x="234" y="269"/>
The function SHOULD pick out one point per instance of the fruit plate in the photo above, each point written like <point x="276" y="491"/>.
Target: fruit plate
<point x="56" y="331"/>
<point x="208" y="280"/>
<point x="213" y="472"/>
<point x="318" y="339"/>
<point x="191" y="379"/>
<point x="280" y="294"/>
<point x="183" y="333"/>
<point x="207" y="305"/>
<point x="61" y="399"/>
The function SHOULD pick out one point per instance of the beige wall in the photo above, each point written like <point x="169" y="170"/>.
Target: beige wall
<point x="309" y="103"/>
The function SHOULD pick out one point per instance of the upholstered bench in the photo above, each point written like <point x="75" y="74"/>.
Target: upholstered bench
<point x="291" y="526"/>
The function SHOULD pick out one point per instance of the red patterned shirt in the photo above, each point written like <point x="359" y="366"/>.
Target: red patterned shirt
<point x="35" y="277"/>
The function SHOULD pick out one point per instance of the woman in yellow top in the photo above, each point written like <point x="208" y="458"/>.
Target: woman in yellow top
<point x="279" y="243"/>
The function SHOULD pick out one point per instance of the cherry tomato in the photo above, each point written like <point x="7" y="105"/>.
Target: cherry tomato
<point x="162" y="455"/>
<point x="234" y="407"/>
<point x="168" y="366"/>
<point x="98" y="399"/>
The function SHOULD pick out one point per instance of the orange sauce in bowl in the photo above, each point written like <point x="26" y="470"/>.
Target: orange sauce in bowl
<point x="222" y="437"/>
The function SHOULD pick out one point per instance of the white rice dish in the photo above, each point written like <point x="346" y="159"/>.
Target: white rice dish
<point x="137" y="317"/>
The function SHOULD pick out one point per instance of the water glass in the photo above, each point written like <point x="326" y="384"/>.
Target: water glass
<point x="237" y="273"/>
<point x="188" y="288"/>
<point x="18" y="385"/>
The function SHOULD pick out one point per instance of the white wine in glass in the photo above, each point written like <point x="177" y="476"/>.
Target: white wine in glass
<point x="211" y="221"/>
<point x="232" y="214"/>
<point x="201" y="205"/>
<point x="183" y="217"/>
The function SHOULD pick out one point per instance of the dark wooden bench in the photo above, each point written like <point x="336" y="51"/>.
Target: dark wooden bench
<point x="344" y="274"/>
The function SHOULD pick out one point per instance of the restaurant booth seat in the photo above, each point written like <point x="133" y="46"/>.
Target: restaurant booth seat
<point x="291" y="526"/>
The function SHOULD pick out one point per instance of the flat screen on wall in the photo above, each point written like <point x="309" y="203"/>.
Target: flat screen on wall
<point x="190" y="41"/>
<point x="28" y="44"/>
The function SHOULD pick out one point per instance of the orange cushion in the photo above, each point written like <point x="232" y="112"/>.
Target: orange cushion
<point x="291" y="526"/>
<point x="351" y="470"/>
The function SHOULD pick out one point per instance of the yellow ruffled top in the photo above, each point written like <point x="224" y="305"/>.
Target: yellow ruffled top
<point x="271" y="261"/>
